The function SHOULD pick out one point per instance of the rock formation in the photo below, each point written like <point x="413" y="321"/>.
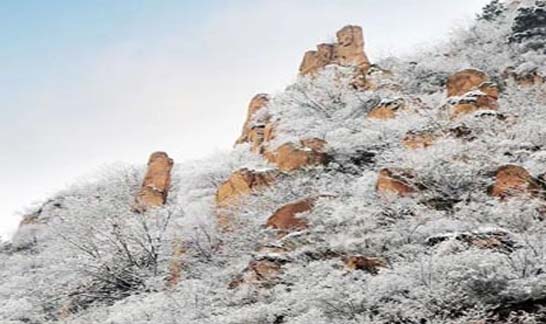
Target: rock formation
<point x="386" y="109"/>
<point x="253" y="131"/>
<point x="155" y="187"/>
<point x="470" y="90"/>
<point x="347" y="51"/>
<point x="289" y="156"/>
<point x="465" y="81"/>
<point x="512" y="180"/>
<point x="286" y="218"/>
<point x="396" y="181"/>
<point x="241" y="182"/>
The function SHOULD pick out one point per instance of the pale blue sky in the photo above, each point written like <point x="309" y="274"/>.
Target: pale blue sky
<point x="84" y="83"/>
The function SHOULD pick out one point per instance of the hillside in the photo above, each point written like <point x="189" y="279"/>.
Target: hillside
<point x="410" y="190"/>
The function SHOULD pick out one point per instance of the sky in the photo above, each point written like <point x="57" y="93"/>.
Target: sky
<point x="88" y="83"/>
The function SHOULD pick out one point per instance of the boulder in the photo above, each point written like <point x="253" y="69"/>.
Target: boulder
<point x="286" y="218"/>
<point x="512" y="180"/>
<point x="465" y="81"/>
<point x="155" y="187"/>
<point x="364" y="263"/>
<point x="263" y="273"/>
<point x="386" y="109"/>
<point x="396" y="181"/>
<point x="289" y="156"/>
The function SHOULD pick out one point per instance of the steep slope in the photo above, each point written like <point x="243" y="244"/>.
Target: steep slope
<point x="406" y="191"/>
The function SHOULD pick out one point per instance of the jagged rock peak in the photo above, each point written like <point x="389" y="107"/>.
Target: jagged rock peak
<point x="347" y="51"/>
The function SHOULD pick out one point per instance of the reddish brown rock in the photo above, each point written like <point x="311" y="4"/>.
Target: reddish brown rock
<point x="155" y="186"/>
<point x="316" y="60"/>
<point x="465" y="81"/>
<point x="348" y="51"/>
<point x="289" y="156"/>
<point x="258" y="102"/>
<point x="262" y="273"/>
<point x="513" y="180"/>
<point x="286" y="218"/>
<point x="386" y="110"/>
<point x="368" y="264"/>
<point x="396" y="181"/>
<point x="241" y="182"/>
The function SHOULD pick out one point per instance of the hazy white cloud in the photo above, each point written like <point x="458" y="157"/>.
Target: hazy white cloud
<point x="185" y="91"/>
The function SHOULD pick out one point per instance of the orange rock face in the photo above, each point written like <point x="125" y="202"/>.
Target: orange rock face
<point x="395" y="181"/>
<point x="258" y="272"/>
<point x="316" y="60"/>
<point x="241" y="182"/>
<point x="513" y="180"/>
<point x="360" y="262"/>
<point x="251" y="133"/>
<point x="289" y="156"/>
<point x="475" y="90"/>
<point x="386" y="110"/>
<point x="286" y="218"/>
<point x="465" y="81"/>
<point x="348" y="51"/>
<point x="155" y="186"/>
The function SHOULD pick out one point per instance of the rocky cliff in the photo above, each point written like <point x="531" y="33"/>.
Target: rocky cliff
<point x="408" y="190"/>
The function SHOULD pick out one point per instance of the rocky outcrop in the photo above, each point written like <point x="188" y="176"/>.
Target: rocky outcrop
<point x="241" y="182"/>
<point x="387" y="109"/>
<point x="253" y="130"/>
<point x="289" y="156"/>
<point x="286" y="218"/>
<point x="459" y="83"/>
<point x="512" y="180"/>
<point x="347" y="51"/>
<point x="262" y="273"/>
<point x="364" y="263"/>
<point x="316" y="60"/>
<point x="155" y="187"/>
<point x="469" y="91"/>
<point x="396" y="181"/>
